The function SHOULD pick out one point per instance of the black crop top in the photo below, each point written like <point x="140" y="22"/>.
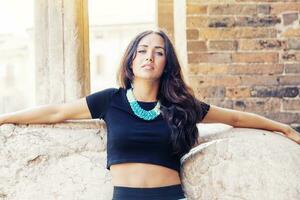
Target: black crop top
<point x="129" y="138"/>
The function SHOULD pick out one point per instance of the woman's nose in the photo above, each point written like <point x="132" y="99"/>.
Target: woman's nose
<point x="149" y="59"/>
<point x="149" y="56"/>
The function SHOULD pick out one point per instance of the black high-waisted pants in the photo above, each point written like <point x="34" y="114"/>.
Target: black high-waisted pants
<point x="172" y="192"/>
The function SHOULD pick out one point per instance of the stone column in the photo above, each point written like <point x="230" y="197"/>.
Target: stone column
<point x="180" y="35"/>
<point x="164" y="16"/>
<point x="167" y="13"/>
<point x="62" y="50"/>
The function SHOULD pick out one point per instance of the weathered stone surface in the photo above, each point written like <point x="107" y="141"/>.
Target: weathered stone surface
<point x="257" y="21"/>
<point x="292" y="68"/>
<point x="67" y="161"/>
<point x="261" y="91"/>
<point x="289" y="18"/>
<point x="294" y="44"/>
<point x="234" y="164"/>
<point x="62" y="161"/>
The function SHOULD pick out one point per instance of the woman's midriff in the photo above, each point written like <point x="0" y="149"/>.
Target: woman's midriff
<point x="143" y="175"/>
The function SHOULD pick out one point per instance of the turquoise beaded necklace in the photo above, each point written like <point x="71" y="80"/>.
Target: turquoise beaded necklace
<point x="140" y="112"/>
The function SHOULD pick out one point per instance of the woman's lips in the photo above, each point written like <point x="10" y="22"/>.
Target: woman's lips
<point x="148" y="66"/>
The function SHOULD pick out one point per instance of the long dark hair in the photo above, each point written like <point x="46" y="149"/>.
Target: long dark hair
<point x="179" y="106"/>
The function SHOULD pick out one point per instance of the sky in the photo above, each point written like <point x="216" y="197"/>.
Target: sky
<point x="17" y="15"/>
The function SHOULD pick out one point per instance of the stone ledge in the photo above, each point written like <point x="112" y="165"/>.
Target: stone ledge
<point x="67" y="161"/>
<point x="241" y="163"/>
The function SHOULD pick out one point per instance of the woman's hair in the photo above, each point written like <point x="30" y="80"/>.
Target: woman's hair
<point x="179" y="106"/>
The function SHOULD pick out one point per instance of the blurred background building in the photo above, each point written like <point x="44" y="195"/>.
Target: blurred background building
<point x="111" y="29"/>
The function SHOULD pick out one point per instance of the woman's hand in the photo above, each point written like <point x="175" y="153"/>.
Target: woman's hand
<point x="292" y="134"/>
<point x="1" y="120"/>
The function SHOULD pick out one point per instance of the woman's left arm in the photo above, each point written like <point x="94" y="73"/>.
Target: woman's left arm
<point x="243" y="119"/>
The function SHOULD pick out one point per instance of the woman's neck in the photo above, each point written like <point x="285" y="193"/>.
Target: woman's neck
<point x="145" y="91"/>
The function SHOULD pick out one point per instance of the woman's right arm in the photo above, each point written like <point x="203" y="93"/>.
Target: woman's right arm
<point x="51" y="113"/>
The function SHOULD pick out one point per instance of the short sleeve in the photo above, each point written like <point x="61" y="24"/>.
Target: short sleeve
<point x="99" y="102"/>
<point x="202" y="109"/>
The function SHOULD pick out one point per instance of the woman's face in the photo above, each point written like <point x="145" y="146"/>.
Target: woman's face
<point x="150" y="59"/>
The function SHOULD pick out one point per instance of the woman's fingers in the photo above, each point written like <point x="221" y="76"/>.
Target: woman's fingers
<point x="293" y="135"/>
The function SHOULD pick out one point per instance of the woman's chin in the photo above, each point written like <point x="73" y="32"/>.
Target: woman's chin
<point x="147" y="77"/>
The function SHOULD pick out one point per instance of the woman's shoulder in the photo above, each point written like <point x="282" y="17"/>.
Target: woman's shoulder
<point x="106" y="93"/>
<point x="110" y="90"/>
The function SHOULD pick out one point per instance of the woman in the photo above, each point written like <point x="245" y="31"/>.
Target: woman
<point x="151" y="120"/>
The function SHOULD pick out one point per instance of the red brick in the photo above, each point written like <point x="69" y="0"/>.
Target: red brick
<point x="292" y="68"/>
<point x="255" y="21"/>
<point x="263" y="9"/>
<point x="262" y="44"/>
<point x="282" y="7"/>
<point x="223" y="45"/>
<point x="274" y="91"/>
<point x="291" y="104"/>
<point x="236" y="33"/>
<point x="193" y="9"/>
<point x="221" y="22"/>
<point x="237" y="92"/>
<point x="193" y="22"/>
<point x="264" y="1"/>
<point x="249" y="32"/>
<point x="193" y="58"/>
<point x="289" y="56"/>
<point x="210" y="92"/>
<point x="196" y="46"/>
<point x="289" y="80"/>
<point x="259" y="69"/>
<point x="214" y="80"/>
<point x="192" y="34"/>
<point x="291" y="32"/>
<point x="284" y="117"/>
<point x="209" y="58"/>
<point x="216" y="33"/>
<point x="293" y="43"/>
<point x="248" y="80"/>
<point x="256" y="105"/>
<point x="231" y="9"/>
<point x="289" y="18"/>
<point x="255" y="57"/>
<point x="207" y="69"/>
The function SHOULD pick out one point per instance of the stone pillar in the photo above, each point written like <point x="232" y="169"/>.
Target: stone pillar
<point x="164" y="16"/>
<point x="180" y="35"/>
<point x="62" y="50"/>
<point x="167" y="13"/>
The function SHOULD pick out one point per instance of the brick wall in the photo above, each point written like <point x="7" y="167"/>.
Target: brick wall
<point x="244" y="55"/>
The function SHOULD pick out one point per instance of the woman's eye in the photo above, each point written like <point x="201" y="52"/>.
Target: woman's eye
<point x="160" y="53"/>
<point x="141" y="51"/>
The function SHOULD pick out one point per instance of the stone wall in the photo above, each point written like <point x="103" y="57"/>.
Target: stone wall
<point x="67" y="161"/>
<point x="244" y="54"/>
<point x="61" y="161"/>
